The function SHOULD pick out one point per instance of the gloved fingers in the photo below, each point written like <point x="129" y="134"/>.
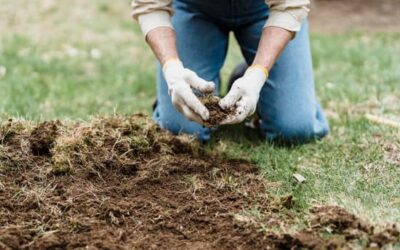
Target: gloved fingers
<point x="188" y="113"/>
<point x="234" y="119"/>
<point x="182" y="95"/>
<point x="198" y="83"/>
<point x="177" y="102"/>
<point x="192" y="102"/>
<point x="230" y="99"/>
<point x="242" y="112"/>
<point x="181" y="107"/>
<point x="248" y="105"/>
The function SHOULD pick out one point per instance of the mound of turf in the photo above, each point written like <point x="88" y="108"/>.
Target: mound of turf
<point x="124" y="183"/>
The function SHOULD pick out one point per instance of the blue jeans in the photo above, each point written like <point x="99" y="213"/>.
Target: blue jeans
<point x="287" y="106"/>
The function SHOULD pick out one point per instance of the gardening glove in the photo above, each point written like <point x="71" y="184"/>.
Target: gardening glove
<point x="180" y="82"/>
<point x="244" y="94"/>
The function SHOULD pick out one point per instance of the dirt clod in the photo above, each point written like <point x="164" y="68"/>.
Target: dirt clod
<point x="43" y="136"/>
<point x="217" y="114"/>
<point x="124" y="183"/>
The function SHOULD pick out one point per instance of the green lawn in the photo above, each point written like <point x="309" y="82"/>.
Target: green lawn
<point x="73" y="61"/>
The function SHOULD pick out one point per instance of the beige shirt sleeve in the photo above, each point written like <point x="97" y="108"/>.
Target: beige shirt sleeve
<point x="152" y="14"/>
<point x="287" y="14"/>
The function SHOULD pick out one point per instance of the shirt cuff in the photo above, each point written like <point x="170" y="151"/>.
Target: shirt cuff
<point x="153" y="20"/>
<point x="285" y="20"/>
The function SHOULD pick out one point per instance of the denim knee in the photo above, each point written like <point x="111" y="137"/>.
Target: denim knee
<point x="292" y="130"/>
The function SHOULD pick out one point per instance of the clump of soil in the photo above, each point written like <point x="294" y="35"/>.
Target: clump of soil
<point x="42" y="137"/>
<point x="217" y="114"/>
<point x="332" y="227"/>
<point x="124" y="183"/>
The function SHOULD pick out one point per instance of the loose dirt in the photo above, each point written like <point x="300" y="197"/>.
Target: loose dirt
<point x="217" y="114"/>
<point x="123" y="183"/>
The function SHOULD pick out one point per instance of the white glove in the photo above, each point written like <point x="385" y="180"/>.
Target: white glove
<point x="244" y="94"/>
<point x="180" y="82"/>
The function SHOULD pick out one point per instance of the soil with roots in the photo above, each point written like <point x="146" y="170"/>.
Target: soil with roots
<point x="123" y="183"/>
<point x="217" y="114"/>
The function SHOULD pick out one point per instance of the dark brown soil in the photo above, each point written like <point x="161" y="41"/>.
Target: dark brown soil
<point x="123" y="183"/>
<point x="43" y="137"/>
<point x="217" y="114"/>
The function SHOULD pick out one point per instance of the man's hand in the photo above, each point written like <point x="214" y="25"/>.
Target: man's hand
<point x="245" y="91"/>
<point x="244" y="94"/>
<point x="180" y="82"/>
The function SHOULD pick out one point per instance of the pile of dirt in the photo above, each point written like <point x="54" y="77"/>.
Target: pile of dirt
<point x="332" y="227"/>
<point x="123" y="183"/>
<point x="217" y="114"/>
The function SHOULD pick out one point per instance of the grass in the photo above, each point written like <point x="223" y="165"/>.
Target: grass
<point x="80" y="59"/>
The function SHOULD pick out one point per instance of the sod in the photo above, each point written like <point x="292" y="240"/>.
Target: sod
<point x="123" y="183"/>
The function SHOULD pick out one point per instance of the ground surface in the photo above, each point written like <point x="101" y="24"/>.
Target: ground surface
<point x="78" y="59"/>
<point x="123" y="183"/>
<point x="336" y="16"/>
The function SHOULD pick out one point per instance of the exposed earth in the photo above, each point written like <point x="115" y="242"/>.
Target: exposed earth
<point x="123" y="183"/>
<point x="334" y="16"/>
